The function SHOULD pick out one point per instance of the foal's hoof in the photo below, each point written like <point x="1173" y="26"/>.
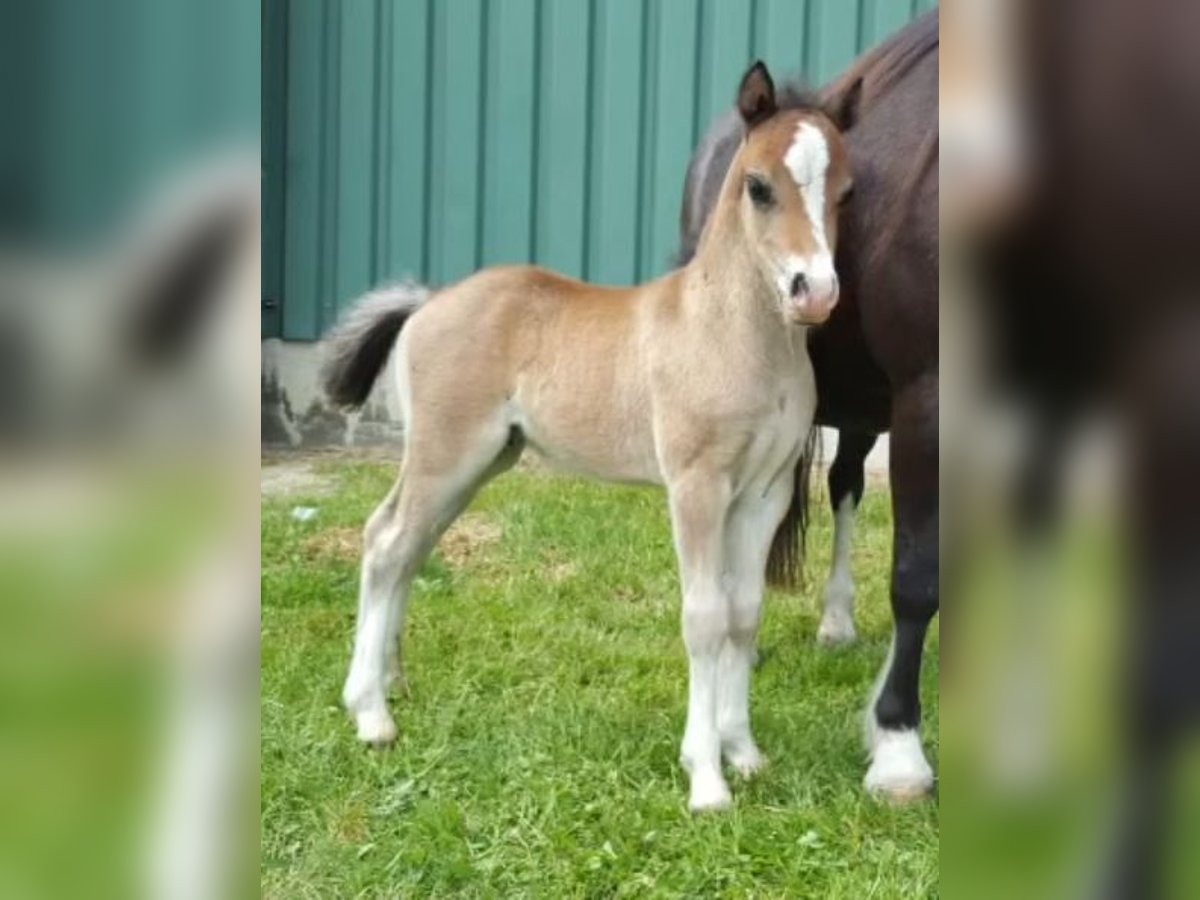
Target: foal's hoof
<point x="747" y="762"/>
<point x="836" y="630"/>
<point x="376" y="728"/>
<point x="898" y="771"/>
<point x="709" y="794"/>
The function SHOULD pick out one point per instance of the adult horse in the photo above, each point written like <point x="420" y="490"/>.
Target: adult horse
<point x="876" y="359"/>
<point x="618" y="383"/>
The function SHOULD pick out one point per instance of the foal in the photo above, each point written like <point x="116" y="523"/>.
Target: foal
<point x="698" y="381"/>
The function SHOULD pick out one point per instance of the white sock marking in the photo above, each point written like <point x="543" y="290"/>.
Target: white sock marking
<point x="898" y="765"/>
<point x="837" y="623"/>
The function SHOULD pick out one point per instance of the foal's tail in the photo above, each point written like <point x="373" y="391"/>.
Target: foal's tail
<point x="359" y="345"/>
<point x="785" y="564"/>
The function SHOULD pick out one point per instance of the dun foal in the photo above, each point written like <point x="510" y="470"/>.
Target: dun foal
<point x="699" y="381"/>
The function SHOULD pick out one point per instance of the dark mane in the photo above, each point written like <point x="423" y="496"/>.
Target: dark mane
<point x="880" y="68"/>
<point x="794" y="95"/>
<point x="872" y="78"/>
<point x="863" y="85"/>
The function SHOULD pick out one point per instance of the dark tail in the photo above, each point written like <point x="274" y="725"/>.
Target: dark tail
<point x="357" y="348"/>
<point x="785" y="564"/>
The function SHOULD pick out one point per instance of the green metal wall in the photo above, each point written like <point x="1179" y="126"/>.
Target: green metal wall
<point x="433" y="137"/>
<point x="102" y="102"/>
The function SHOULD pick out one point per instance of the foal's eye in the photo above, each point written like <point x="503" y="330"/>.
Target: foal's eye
<point x="759" y="191"/>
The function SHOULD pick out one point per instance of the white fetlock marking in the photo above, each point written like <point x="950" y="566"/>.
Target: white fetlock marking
<point x="354" y="693"/>
<point x="709" y="792"/>
<point x="837" y="624"/>
<point x="371" y="717"/>
<point x="898" y="765"/>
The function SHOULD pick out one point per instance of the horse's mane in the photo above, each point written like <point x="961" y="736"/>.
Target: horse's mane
<point x="873" y="75"/>
<point x="881" y="67"/>
<point x="795" y="95"/>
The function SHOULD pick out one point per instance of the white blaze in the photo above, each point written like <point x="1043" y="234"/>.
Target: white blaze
<point x="808" y="161"/>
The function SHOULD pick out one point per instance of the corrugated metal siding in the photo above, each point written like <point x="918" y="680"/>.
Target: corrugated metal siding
<point x="433" y="137"/>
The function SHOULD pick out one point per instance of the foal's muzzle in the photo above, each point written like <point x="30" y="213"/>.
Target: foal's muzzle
<point x="812" y="296"/>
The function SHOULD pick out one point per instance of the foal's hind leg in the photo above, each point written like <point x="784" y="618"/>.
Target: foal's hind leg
<point x="399" y="537"/>
<point x="383" y="514"/>
<point x="752" y="525"/>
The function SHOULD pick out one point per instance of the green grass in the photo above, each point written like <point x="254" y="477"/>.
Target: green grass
<point x="538" y="749"/>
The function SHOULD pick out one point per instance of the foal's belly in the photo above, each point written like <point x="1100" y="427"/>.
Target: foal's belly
<point x="621" y="460"/>
<point x="598" y="436"/>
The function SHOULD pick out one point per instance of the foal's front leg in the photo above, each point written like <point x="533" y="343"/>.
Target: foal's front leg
<point x="699" y="509"/>
<point x="751" y="528"/>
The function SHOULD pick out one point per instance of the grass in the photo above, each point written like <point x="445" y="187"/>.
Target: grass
<point x="538" y="749"/>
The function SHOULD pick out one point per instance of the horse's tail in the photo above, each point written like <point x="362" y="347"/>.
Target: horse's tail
<point x="358" y="346"/>
<point x="785" y="564"/>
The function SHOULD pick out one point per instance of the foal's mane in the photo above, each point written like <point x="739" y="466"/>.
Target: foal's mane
<point x="797" y="96"/>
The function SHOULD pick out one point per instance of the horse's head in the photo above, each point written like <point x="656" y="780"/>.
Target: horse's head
<point x="788" y="179"/>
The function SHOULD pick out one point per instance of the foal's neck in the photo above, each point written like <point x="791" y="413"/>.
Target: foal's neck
<point x="724" y="283"/>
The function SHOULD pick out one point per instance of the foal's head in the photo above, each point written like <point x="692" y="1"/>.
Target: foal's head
<point x="789" y="177"/>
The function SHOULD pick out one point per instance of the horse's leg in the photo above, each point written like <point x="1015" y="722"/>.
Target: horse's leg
<point x="846" y="481"/>
<point x="699" y="509"/>
<point x="752" y="525"/>
<point x="433" y="490"/>
<point x="898" y="767"/>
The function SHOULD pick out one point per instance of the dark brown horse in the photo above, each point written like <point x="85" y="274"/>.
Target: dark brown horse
<point x="876" y="359"/>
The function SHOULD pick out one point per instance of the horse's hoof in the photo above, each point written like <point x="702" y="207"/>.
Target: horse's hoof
<point x="709" y="794"/>
<point x="376" y="728"/>
<point x="836" y="631"/>
<point x="898" y="771"/>
<point x="903" y="795"/>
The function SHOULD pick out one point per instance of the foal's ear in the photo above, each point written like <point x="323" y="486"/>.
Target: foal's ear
<point x="756" y="96"/>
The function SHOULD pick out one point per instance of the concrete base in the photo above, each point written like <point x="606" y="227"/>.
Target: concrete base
<point x="296" y="413"/>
